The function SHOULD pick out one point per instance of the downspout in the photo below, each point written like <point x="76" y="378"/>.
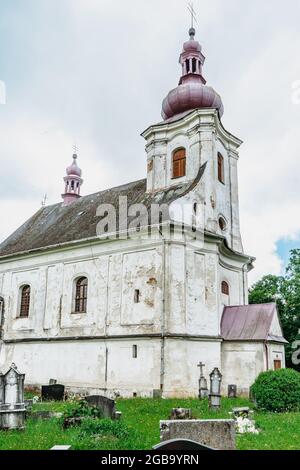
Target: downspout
<point x="267" y="354"/>
<point x="162" y="354"/>
<point x="244" y="286"/>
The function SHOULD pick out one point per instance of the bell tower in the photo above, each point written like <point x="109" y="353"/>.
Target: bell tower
<point x="73" y="182"/>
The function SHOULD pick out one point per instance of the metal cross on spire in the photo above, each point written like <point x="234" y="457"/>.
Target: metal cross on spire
<point x="75" y="148"/>
<point x="193" y="14"/>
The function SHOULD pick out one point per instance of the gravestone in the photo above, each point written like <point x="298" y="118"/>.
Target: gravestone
<point x="215" y="389"/>
<point x="217" y="434"/>
<point x="181" y="413"/>
<point x="232" y="391"/>
<point x="12" y="406"/>
<point x="106" y="405"/>
<point x="181" y="444"/>
<point x="243" y="412"/>
<point x="53" y="392"/>
<point x="203" y="390"/>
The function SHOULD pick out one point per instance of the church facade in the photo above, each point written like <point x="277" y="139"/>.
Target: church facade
<point x="129" y="303"/>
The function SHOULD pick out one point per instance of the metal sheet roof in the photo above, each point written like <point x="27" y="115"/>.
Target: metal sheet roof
<point x="248" y="322"/>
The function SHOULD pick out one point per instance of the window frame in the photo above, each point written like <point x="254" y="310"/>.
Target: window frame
<point x="225" y="290"/>
<point x="24" y="302"/>
<point x="80" y="295"/>
<point x="180" y="161"/>
<point x="221" y="168"/>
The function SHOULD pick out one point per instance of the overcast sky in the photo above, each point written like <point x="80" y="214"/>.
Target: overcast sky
<point x="94" y="73"/>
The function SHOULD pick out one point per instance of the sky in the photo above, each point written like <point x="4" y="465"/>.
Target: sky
<point x="94" y="73"/>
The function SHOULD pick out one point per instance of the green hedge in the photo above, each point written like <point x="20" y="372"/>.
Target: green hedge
<point x="277" y="391"/>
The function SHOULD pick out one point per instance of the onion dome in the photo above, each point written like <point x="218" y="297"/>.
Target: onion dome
<point x="74" y="168"/>
<point x="192" y="91"/>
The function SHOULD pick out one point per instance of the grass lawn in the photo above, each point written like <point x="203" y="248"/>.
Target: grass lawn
<point x="139" y="427"/>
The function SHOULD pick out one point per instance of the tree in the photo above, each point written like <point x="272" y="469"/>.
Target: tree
<point x="285" y="291"/>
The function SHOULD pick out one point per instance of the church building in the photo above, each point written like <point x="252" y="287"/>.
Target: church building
<point x="123" y="292"/>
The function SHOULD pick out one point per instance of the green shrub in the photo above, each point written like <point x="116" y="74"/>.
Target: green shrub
<point x="277" y="391"/>
<point x="80" y="409"/>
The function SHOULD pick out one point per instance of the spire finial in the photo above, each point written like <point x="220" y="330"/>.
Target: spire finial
<point x="75" y="150"/>
<point x="193" y="19"/>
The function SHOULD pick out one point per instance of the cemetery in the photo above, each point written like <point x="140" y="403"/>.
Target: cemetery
<point x="54" y="419"/>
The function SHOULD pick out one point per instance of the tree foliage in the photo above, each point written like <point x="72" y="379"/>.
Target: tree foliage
<point x="285" y="291"/>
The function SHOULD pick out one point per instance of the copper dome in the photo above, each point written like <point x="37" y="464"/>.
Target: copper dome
<point x="192" y="92"/>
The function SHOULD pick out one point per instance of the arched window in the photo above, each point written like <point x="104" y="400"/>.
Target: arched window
<point x="179" y="163"/>
<point x="81" y="288"/>
<point x="221" y="175"/>
<point x="25" y="302"/>
<point x="225" y="288"/>
<point x="222" y="224"/>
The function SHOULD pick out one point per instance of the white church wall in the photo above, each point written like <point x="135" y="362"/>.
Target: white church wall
<point x="113" y="278"/>
<point x="106" y="366"/>
<point x="276" y="352"/>
<point x="181" y="378"/>
<point x="242" y="362"/>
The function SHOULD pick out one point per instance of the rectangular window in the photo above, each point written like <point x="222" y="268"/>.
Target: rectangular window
<point x="134" y="351"/>
<point x="179" y="164"/>
<point x="221" y="175"/>
<point x="136" y="296"/>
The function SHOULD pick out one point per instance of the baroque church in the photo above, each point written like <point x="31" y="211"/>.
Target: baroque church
<point x="127" y="312"/>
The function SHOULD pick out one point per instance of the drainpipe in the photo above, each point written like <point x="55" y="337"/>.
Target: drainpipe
<point x="244" y="294"/>
<point x="162" y="357"/>
<point x="267" y="354"/>
<point x="1" y="317"/>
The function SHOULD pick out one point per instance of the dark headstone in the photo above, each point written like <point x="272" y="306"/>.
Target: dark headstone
<point x="106" y="405"/>
<point x="232" y="391"/>
<point x="181" y="444"/>
<point x="54" y="392"/>
<point x="157" y="393"/>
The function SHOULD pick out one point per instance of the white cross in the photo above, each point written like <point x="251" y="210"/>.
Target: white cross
<point x="193" y="13"/>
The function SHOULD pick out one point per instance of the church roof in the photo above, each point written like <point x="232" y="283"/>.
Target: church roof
<point x="58" y="224"/>
<point x="249" y="323"/>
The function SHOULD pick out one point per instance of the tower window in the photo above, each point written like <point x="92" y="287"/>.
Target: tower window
<point x="137" y="296"/>
<point x="25" y="302"/>
<point x="225" y="288"/>
<point x="134" y="351"/>
<point x="187" y="66"/>
<point x="222" y="224"/>
<point x="221" y="175"/>
<point x="81" y="288"/>
<point x="194" y="65"/>
<point x="179" y="163"/>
